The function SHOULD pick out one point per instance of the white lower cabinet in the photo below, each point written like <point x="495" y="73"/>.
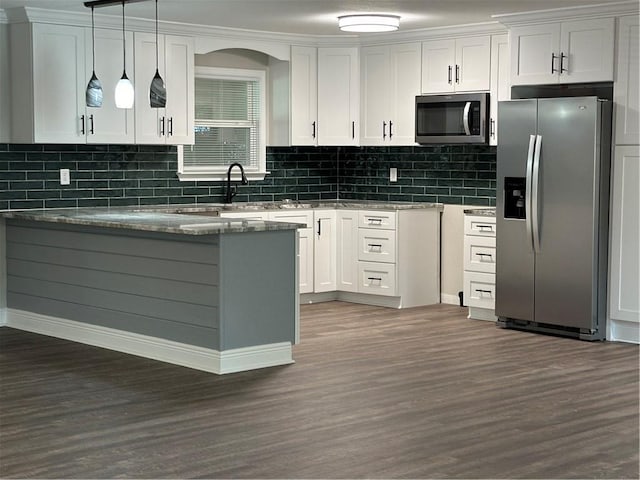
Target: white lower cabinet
<point x="377" y="278"/>
<point x="480" y="266"/>
<point x="347" y="250"/>
<point x="324" y="272"/>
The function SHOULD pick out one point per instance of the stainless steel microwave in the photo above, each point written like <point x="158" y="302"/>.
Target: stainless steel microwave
<point x="455" y="118"/>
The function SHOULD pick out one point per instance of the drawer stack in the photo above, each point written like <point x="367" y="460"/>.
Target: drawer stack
<point x="377" y="252"/>
<point x="480" y="266"/>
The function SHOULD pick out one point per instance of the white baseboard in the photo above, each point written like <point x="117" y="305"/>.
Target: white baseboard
<point x="199" y="358"/>
<point x="449" y="299"/>
<point x="482" y="314"/>
<point x="624" y="331"/>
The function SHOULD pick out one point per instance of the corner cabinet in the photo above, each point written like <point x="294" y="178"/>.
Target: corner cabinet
<point x="459" y="65"/>
<point x="567" y="52"/>
<point x="174" y="124"/>
<point x="390" y="80"/>
<point x="50" y="68"/>
<point x="626" y="88"/>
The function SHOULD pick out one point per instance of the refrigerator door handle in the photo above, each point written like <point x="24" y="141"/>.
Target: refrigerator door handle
<point x="465" y="118"/>
<point x="535" y="210"/>
<point x="528" y="190"/>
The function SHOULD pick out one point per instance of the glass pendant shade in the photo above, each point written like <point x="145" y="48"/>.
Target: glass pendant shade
<point x="125" y="93"/>
<point x="157" y="91"/>
<point x="93" y="95"/>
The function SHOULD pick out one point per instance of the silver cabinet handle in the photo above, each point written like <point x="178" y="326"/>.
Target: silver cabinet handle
<point x="492" y="128"/>
<point x="485" y="228"/>
<point x="553" y="63"/>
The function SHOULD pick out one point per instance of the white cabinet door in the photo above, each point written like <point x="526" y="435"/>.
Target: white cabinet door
<point x="179" y="81"/>
<point x="626" y="89"/>
<point x="472" y="69"/>
<point x="174" y="123"/>
<point x="390" y="80"/>
<point x="148" y="120"/>
<point x="305" y="244"/>
<point x="59" y="81"/>
<point x="534" y="54"/>
<point x="325" y="251"/>
<point x="500" y="86"/>
<point x="405" y="71"/>
<point x="376" y="92"/>
<point x="624" y="274"/>
<point x="338" y="96"/>
<point x="586" y="50"/>
<point x="304" y="95"/>
<point x="347" y="250"/>
<point x="109" y="124"/>
<point x="438" y="62"/>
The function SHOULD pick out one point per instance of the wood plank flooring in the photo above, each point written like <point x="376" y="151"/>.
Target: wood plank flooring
<point x="374" y="393"/>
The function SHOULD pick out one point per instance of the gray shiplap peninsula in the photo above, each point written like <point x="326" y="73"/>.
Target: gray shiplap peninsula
<point x="215" y="294"/>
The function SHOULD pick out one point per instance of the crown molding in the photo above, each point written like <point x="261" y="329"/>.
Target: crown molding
<point x="569" y="13"/>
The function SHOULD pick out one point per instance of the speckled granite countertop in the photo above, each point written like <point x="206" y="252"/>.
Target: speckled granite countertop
<point x="483" y="212"/>
<point x="135" y="219"/>
<point x="177" y="218"/>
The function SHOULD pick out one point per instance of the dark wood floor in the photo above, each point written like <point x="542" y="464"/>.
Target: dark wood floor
<point x="374" y="392"/>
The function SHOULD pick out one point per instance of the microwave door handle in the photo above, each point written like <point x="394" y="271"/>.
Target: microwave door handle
<point x="465" y="118"/>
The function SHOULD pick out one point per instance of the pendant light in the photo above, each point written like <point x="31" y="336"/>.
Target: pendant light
<point x="124" y="88"/>
<point x="157" y="92"/>
<point x="93" y="95"/>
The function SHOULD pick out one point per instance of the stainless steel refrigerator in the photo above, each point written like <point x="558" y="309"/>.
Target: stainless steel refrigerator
<point x="552" y="207"/>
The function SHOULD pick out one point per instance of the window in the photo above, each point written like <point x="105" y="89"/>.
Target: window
<point x="229" y="125"/>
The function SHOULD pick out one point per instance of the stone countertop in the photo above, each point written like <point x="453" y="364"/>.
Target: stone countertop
<point x="289" y="205"/>
<point x="177" y="218"/>
<point x="483" y="212"/>
<point x="132" y="218"/>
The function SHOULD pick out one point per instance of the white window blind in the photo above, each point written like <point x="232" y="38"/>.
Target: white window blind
<point x="229" y="123"/>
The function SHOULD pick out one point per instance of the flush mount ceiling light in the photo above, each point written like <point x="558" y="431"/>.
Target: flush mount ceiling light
<point x="369" y="23"/>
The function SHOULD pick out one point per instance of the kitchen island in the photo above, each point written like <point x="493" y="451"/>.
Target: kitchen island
<point x="215" y="294"/>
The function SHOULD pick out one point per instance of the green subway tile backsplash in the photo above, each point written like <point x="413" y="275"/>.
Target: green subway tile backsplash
<point x="119" y="175"/>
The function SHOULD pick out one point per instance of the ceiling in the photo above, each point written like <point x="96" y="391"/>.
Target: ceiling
<point x="313" y="17"/>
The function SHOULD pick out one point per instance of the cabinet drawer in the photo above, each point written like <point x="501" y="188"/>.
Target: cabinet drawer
<point x="480" y="225"/>
<point x="377" y="278"/>
<point x="480" y="254"/>
<point x="377" y="219"/>
<point x="480" y="290"/>
<point x="377" y="245"/>
<point x="246" y="215"/>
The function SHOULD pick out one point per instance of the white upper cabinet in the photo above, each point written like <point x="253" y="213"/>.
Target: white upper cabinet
<point x="390" y="80"/>
<point x="567" y="52"/>
<point x="48" y="78"/>
<point x="173" y="124"/>
<point x="500" y="86"/>
<point x="626" y="89"/>
<point x="304" y="95"/>
<point x="460" y="65"/>
<point x="338" y="96"/>
<point x="109" y="124"/>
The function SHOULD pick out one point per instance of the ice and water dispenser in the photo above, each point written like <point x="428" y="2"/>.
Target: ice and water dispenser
<point x="514" y="194"/>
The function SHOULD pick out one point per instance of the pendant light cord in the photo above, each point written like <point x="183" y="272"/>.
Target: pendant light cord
<point x="157" y="35"/>
<point x="93" y="41"/>
<point x="124" y="49"/>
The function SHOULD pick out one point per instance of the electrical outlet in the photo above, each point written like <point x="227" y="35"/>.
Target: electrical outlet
<point x="65" y="176"/>
<point x="393" y="174"/>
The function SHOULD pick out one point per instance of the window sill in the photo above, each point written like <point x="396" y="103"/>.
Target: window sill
<point x="218" y="176"/>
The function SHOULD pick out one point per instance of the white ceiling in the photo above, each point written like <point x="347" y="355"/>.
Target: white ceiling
<point x="314" y="17"/>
